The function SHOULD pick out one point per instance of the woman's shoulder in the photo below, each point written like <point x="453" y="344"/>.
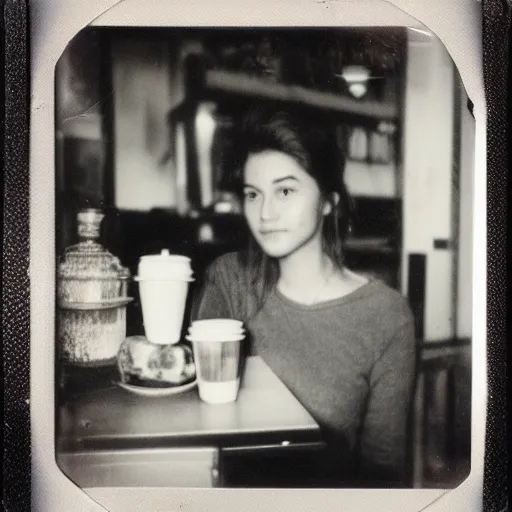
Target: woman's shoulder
<point x="227" y="262"/>
<point x="226" y="268"/>
<point x="387" y="318"/>
<point x="388" y="302"/>
<point x="226" y="273"/>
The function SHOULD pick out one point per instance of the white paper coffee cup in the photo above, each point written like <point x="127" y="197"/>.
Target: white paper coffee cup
<point x="163" y="286"/>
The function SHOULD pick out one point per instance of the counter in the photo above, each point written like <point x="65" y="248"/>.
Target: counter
<point x="113" y="437"/>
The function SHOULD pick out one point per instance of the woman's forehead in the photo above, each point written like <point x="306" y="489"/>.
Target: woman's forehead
<point x="271" y="166"/>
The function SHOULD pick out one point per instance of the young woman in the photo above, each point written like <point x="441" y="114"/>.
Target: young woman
<point x="344" y="345"/>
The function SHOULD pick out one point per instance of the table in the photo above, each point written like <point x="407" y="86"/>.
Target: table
<point x="112" y="437"/>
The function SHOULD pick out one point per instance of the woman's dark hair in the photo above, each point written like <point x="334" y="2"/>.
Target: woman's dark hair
<point x="316" y="147"/>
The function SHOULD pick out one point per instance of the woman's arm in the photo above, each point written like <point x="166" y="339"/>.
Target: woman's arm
<point x="384" y="437"/>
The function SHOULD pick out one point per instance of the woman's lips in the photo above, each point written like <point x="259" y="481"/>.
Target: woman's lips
<point x="267" y="232"/>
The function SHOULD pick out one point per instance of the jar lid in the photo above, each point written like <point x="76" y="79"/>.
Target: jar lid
<point x="89" y="259"/>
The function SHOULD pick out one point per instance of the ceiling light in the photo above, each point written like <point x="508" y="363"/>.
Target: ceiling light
<point x="357" y="79"/>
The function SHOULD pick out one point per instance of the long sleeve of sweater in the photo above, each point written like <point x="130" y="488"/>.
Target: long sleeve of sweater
<point x="383" y="440"/>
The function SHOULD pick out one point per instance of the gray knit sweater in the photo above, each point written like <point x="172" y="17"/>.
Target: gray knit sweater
<point x="349" y="361"/>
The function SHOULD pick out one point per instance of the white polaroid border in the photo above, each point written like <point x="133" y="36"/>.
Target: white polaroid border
<point x="457" y="23"/>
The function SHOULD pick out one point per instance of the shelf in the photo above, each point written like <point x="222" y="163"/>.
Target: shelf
<point x="370" y="245"/>
<point x="238" y="83"/>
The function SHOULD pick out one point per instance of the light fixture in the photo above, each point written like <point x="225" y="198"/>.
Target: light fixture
<point x="357" y="79"/>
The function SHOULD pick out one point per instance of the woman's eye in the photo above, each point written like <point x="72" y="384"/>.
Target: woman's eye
<point x="284" y="192"/>
<point x="250" y="195"/>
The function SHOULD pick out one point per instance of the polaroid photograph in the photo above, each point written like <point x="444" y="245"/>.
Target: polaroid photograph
<point x="258" y="237"/>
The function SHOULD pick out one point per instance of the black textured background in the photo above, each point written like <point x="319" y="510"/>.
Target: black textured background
<point x="496" y="27"/>
<point x="15" y="246"/>
<point x="15" y="260"/>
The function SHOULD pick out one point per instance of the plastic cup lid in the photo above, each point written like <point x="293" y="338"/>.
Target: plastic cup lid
<point x="214" y="337"/>
<point x="216" y="332"/>
<point x="216" y="323"/>
<point x="167" y="277"/>
<point x="220" y="332"/>
<point x="217" y="329"/>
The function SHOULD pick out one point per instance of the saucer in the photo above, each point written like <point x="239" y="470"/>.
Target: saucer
<point x="158" y="391"/>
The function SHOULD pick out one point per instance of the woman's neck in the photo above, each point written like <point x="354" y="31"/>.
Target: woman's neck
<point x="309" y="276"/>
<point x="302" y="271"/>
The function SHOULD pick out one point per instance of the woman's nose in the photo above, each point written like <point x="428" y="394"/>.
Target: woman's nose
<point x="268" y="210"/>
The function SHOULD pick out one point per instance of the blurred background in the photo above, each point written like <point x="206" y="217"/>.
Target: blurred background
<point x="144" y="122"/>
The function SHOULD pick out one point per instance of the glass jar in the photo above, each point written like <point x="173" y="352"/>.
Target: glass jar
<point x="91" y="297"/>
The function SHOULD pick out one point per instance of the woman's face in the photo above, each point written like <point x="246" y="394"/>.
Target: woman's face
<point x="282" y="203"/>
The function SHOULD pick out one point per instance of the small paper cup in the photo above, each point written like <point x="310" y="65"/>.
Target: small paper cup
<point x="217" y="359"/>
